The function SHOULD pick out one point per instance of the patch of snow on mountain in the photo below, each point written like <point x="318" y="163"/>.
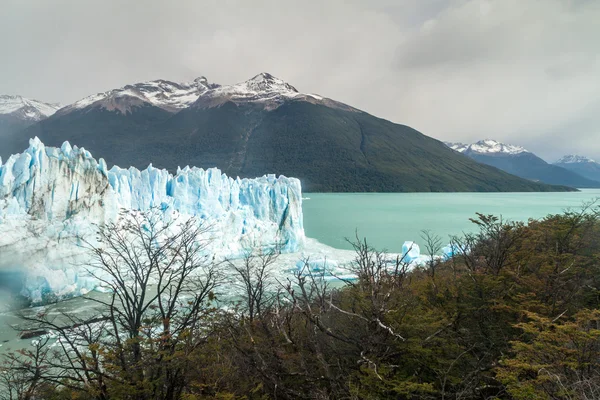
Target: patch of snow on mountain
<point x="164" y="94"/>
<point x="263" y="87"/>
<point x="574" y="159"/>
<point x="26" y="108"/>
<point x="487" y="146"/>
<point x="492" y="146"/>
<point x="265" y="90"/>
<point x="52" y="197"/>
<point x="460" y="147"/>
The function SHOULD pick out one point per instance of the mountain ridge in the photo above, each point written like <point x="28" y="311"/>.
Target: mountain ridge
<point x="572" y="158"/>
<point x="581" y="165"/>
<point x="518" y="161"/>
<point x="487" y="146"/>
<point x="260" y="126"/>
<point x="26" y="108"/>
<point x="18" y="112"/>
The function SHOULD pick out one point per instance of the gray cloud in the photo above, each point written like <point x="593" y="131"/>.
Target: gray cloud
<point x="523" y="71"/>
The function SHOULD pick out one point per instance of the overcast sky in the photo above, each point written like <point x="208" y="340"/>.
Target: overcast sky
<point x="525" y="72"/>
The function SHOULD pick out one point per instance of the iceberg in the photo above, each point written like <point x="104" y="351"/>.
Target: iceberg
<point x="410" y="252"/>
<point x="449" y="251"/>
<point x="50" y="197"/>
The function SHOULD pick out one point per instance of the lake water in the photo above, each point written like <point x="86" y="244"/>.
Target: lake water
<point x="389" y="219"/>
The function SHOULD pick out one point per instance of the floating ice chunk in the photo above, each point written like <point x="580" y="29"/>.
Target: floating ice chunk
<point x="410" y="251"/>
<point x="317" y="264"/>
<point x="449" y="251"/>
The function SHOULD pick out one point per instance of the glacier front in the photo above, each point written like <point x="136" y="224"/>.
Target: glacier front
<point x="49" y="197"/>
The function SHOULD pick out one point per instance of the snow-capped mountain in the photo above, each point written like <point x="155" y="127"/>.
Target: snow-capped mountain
<point x="18" y="113"/>
<point x="581" y="165"/>
<point x="26" y="109"/>
<point x="260" y="126"/>
<point x="518" y="161"/>
<point x="460" y="147"/>
<point x="487" y="146"/>
<point x="574" y="159"/>
<point x="169" y="96"/>
<point x="265" y="90"/>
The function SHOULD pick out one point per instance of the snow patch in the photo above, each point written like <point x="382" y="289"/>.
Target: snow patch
<point x="487" y="146"/>
<point x="28" y="109"/>
<point x="574" y="159"/>
<point x="265" y="89"/>
<point x="164" y="94"/>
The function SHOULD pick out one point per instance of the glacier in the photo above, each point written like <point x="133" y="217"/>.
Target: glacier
<point x="51" y="197"/>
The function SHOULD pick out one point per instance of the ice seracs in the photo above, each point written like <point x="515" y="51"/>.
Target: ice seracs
<point x="26" y="109"/>
<point x="50" y="197"/>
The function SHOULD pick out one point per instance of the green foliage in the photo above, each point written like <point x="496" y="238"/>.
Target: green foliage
<point x="555" y="359"/>
<point x="515" y="315"/>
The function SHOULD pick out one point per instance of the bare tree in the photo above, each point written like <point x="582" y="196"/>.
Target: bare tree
<point x="21" y="372"/>
<point x="433" y="245"/>
<point x="354" y="322"/>
<point x="255" y="281"/>
<point x="161" y="282"/>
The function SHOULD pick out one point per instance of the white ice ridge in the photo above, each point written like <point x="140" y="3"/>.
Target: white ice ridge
<point x="48" y="196"/>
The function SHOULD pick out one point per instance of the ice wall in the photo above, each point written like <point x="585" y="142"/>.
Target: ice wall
<point x="49" y="196"/>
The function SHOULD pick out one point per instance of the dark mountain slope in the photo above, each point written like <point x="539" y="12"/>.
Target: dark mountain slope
<point x="9" y="125"/>
<point x="337" y="150"/>
<point x="530" y="166"/>
<point x="105" y="133"/>
<point x="329" y="149"/>
<point x="264" y="126"/>
<point x="581" y="165"/>
<point x="517" y="161"/>
<point x="17" y="113"/>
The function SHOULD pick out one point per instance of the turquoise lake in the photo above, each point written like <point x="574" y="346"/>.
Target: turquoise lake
<point x="386" y="220"/>
<point x="389" y="219"/>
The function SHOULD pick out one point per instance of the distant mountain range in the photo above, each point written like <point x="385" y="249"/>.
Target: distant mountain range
<point x="17" y="113"/>
<point x="581" y="165"/>
<point x="263" y="125"/>
<point x="520" y="162"/>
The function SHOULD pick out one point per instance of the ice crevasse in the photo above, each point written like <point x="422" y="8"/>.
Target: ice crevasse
<point x="49" y="196"/>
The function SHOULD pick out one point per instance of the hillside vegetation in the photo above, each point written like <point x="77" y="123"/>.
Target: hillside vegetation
<point x="513" y="315"/>
<point x="328" y="149"/>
